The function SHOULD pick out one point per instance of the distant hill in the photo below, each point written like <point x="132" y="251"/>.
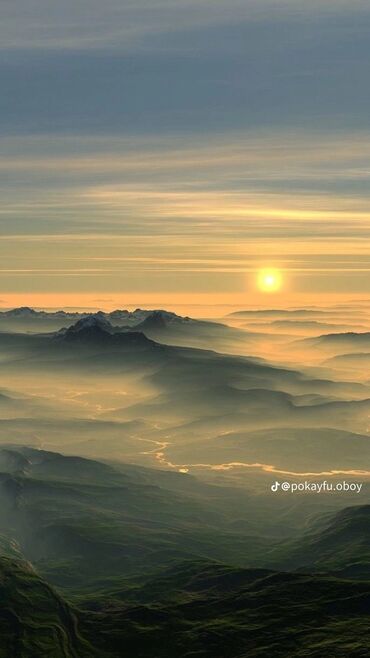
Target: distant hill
<point x="335" y="343"/>
<point x="172" y="329"/>
<point x="279" y="312"/>
<point x="304" y="326"/>
<point x="357" y="361"/>
<point x="163" y="386"/>
<point x="337" y="543"/>
<point x="296" y="449"/>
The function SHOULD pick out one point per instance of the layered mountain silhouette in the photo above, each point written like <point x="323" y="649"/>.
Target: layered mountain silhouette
<point x="303" y="326"/>
<point x="302" y="449"/>
<point x="280" y="312"/>
<point x="160" y="325"/>
<point x="95" y="376"/>
<point x="349" y="341"/>
<point x="99" y="331"/>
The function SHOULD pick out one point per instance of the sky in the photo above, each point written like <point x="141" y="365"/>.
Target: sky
<point x="163" y="152"/>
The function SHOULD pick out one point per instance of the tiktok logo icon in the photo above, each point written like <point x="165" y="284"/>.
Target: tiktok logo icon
<point x="275" y="486"/>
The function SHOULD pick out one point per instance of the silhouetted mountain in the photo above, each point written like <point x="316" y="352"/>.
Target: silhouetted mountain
<point x="348" y="340"/>
<point x="310" y="326"/>
<point x="27" y="319"/>
<point x="123" y="376"/>
<point x="158" y="320"/>
<point x="281" y="312"/>
<point x="130" y="318"/>
<point x="22" y="312"/>
<point x="296" y="449"/>
<point x="184" y="331"/>
<point x="98" y="330"/>
<point x="159" y="325"/>
<point x="25" y="313"/>
<point x="92" y="325"/>
<point x="119" y="316"/>
<point x="358" y="361"/>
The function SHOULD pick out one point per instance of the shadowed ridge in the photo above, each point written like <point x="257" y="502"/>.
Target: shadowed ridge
<point x="98" y="330"/>
<point x="160" y="320"/>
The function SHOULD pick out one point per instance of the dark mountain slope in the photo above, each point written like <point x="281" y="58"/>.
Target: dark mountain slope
<point x="302" y="449"/>
<point x="199" y="609"/>
<point x="143" y="557"/>
<point x="81" y="522"/>
<point x="337" y="542"/>
<point x="35" y="622"/>
<point x="173" y="329"/>
<point x="337" y="342"/>
<point x="212" y="610"/>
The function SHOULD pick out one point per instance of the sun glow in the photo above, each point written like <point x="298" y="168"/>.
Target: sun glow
<point x="269" y="280"/>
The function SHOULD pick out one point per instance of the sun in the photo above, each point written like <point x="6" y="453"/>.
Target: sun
<point x="269" y="280"/>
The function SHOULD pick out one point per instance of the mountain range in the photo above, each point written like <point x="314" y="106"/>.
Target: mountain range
<point x="137" y="455"/>
<point x="97" y="377"/>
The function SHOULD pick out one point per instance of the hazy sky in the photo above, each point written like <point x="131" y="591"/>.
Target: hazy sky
<point x="166" y="150"/>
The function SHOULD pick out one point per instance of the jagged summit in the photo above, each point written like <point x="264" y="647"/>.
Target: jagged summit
<point x="97" y="322"/>
<point x="121" y="317"/>
<point x="159" y="320"/>
<point x="119" y="314"/>
<point x="22" y="311"/>
<point x="90" y="328"/>
<point x="96" y="329"/>
<point x="27" y="312"/>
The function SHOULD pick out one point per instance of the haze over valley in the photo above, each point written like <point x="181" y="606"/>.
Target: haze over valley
<point x="138" y="450"/>
<point x="137" y="386"/>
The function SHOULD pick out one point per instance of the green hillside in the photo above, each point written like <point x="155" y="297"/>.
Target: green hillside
<point x="35" y="622"/>
<point x="106" y="561"/>
<point x="207" y="610"/>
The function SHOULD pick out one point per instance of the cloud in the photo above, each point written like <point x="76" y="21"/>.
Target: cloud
<point x="93" y="212"/>
<point x="40" y="24"/>
<point x="183" y="66"/>
<point x="174" y="142"/>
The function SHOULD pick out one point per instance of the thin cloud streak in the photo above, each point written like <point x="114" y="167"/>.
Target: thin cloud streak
<point x="199" y="215"/>
<point x="37" y="24"/>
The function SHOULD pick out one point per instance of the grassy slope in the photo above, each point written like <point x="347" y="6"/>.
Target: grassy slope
<point x="214" y="610"/>
<point x="114" y="541"/>
<point x="35" y="622"/>
<point x="200" y="609"/>
<point x="80" y="521"/>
